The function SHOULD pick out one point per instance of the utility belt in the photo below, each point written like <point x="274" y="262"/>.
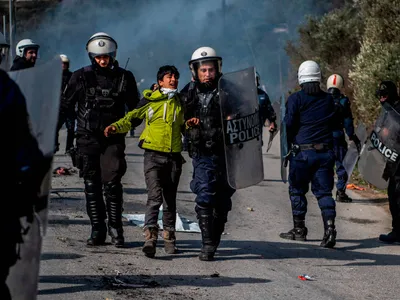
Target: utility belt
<point x="322" y="147"/>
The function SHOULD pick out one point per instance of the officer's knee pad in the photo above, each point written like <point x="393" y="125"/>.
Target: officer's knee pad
<point x="203" y="210"/>
<point x="92" y="186"/>
<point x="113" y="189"/>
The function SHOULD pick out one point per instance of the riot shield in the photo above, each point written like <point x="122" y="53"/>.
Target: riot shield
<point x="41" y="87"/>
<point x="352" y="155"/>
<point x="242" y="128"/>
<point x="283" y="137"/>
<point x="379" y="158"/>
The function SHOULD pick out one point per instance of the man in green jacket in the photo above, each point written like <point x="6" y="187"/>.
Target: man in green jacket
<point x="162" y="141"/>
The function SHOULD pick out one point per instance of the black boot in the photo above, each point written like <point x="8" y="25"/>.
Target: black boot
<point x="341" y="196"/>
<point x="390" y="238"/>
<point x="299" y="231"/>
<point x="96" y="211"/>
<point x="329" y="239"/>
<point x="218" y="227"/>
<point x="206" y="218"/>
<point x="113" y="194"/>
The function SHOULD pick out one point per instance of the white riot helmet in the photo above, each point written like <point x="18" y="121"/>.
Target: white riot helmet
<point x="309" y="71"/>
<point x="25" y="44"/>
<point x="101" y="44"/>
<point x="203" y="54"/>
<point x="335" y="81"/>
<point x="64" y="58"/>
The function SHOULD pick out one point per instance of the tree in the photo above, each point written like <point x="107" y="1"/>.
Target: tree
<point x="331" y="40"/>
<point x="379" y="58"/>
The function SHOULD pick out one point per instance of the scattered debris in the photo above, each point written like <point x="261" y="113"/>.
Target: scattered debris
<point x="182" y="224"/>
<point x="121" y="284"/>
<point x="62" y="171"/>
<point x="214" y="275"/>
<point x="352" y="186"/>
<point x="305" y="277"/>
<point x="250" y="209"/>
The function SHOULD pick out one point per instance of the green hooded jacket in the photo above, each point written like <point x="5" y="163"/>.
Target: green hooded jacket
<point x="164" y="122"/>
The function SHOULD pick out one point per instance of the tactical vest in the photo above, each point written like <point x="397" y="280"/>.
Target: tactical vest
<point x="208" y="111"/>
<point x="103" y="105"/>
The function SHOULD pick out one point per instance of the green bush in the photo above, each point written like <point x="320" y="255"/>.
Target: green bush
<point x="360" y="41"/>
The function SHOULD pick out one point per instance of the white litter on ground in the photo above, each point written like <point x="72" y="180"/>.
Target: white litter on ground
<point x="182" y="224"/>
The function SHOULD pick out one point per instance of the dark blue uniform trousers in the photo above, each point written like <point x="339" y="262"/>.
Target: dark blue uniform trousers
<point x="210" y="185"/>
<point x="340" y="149"/>
<point x="311" y="166"/>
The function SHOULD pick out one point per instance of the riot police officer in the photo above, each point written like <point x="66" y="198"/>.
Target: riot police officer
<point x="23" y="169"/>
<point x="309" y="120"/>
<point x="266" y="109"/>
<point x="101" y="91"/>
<point x="335" y="84"/>
<point x="26" y="55"/>
<point x="70" y="120"/>
<point x="206" y="148"/>
<point x="387" y="94"/>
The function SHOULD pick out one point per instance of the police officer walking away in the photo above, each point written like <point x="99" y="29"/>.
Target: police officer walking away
<point x="206" y="148"/>
<point x="70" y="120"/>
<point x="309" y="121"/>
<point x="101" y="91"/>
<point x="387" y="94"/>
<point x="334" y="85"/>
<point x="27" y="52"/>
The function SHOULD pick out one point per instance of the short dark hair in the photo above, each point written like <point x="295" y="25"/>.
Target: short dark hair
<point x="164" y="70"/>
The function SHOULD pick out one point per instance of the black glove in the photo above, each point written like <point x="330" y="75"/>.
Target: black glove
<point x="356" y="141"/>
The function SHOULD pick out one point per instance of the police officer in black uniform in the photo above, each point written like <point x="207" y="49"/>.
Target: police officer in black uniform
<point x="101" y="91"/>
<point x="70" y="120"/>
<point x="26" y="55"/>
<point x="266" y="109"/>
<point x="206" y="148"/>
<point x="23" y="169"/>
<point x="387" y="94"/>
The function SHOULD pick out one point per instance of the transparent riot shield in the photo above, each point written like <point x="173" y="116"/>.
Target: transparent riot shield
<point x="379" y="158"/>
<point x="242" y="128"/>
<point x="283" y="137"/>
<point x="41" y="87"/>
<point x="352" y="155"/>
